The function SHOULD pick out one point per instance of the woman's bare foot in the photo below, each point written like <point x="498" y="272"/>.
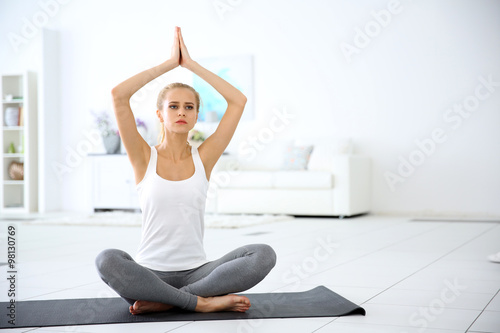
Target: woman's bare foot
<point x="231" y="302"/>
<point x="146" y="306"/>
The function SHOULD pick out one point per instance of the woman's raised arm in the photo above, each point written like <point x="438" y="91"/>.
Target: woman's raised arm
<point x="213" y="147"/>
<point x="137" y="149"/>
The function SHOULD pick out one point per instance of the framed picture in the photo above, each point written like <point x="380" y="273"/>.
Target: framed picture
<point x="238" y="71"/>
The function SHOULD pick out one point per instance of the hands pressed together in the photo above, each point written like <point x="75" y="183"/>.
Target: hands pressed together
<point x="180" y="55"/>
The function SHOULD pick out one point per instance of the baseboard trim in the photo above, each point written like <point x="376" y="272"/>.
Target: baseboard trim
<point x="452" y="220"/>
<point x="340" y="217"/>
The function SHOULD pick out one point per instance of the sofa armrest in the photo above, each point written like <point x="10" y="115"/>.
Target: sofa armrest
<point x="352" y="184"/>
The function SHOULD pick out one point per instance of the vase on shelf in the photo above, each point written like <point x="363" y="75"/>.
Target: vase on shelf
<point x="111" y="143"/>
<point x="12" y="149"/>
<point x="16" y="170"/>
<point x="12" y="116"/>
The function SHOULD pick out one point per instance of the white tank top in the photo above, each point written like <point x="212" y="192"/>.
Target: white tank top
<point x="172" y="218"/>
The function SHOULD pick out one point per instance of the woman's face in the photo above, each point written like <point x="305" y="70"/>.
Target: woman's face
<point x="179" y="112"/>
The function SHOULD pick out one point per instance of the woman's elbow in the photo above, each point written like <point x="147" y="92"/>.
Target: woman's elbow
<point x="244" y="99"/>
<point x="241" y="101"/>
<point x="116" y="92"/>
<point x="118" y="96"/>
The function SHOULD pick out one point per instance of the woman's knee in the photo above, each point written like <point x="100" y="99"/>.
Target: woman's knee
<point x="266" y="256"/>
<point x="107" y="259"/>
<point x="113" y="266"/>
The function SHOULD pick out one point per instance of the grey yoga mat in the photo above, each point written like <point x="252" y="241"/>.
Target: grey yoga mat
<point x="317" y="302"/>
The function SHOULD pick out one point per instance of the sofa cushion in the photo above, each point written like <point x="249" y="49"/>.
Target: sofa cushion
<point x="278" y="201"/>
<point x="276" y="179"/>
<point x="324" y="150"/>
<point x="247" y="179"/>
<point x="296" y="158"/>
<point x="303" y="179"/>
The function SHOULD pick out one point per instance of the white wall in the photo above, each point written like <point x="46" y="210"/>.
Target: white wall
<point x="395" y="91"/>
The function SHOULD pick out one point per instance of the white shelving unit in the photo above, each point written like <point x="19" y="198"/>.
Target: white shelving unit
<point x="19" y="91"/>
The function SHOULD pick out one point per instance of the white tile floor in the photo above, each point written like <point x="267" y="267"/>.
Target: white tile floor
<point x="409" y="276"/>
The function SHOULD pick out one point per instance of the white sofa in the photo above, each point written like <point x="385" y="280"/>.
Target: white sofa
<point x="336" y="182"/>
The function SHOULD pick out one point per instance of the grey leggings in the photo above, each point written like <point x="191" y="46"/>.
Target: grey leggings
<point x="237" y="271"/>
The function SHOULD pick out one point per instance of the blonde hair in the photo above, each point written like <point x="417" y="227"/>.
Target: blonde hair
<point x="162" y="96"/>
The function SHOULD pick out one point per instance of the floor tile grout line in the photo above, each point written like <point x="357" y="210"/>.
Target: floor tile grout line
<point x="410" y="305"/>
<point x="326" y="324"/>
<point x="465" y="292"/>
<point x="444" y="330"/>
<point x="321" y="228"/>
<point x="342" y="239"/>
<point x="482" y="311"/>
<point x="463" y="244"/>
<point x="31" y="329"/>
<point x="58" y="291"/>
<point x="186" y="324"/>
<point x="46" y="273"/>
<point x="455" y="220"/>
<point x="349" y="237"/>
<point x="378" y="250"/>
<point x="364" y="255"/>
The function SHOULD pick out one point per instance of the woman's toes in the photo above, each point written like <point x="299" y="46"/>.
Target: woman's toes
<point x="134" y="309"/>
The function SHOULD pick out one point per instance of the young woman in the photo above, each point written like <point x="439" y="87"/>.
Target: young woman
<point x="171" y="269"/>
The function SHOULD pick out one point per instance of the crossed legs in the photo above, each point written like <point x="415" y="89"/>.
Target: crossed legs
<point x="196" y="290"/>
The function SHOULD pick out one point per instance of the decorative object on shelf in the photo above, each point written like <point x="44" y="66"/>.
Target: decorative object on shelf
<point x="16" y="170"/>
<point x="20" y="147"/>
<point x="12" y="116"/>
<point x="12" y="149"/>
<point x="20" y="122"/>
<point x="12" y="98"/>
<point x="111" y="143"/>
<point x="110" y="136"/>
<point x="142" y="128"/>
<point x="196" y="138"/>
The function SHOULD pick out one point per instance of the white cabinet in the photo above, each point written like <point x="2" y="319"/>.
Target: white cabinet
<point x="112" y="182"/>
<point x="18" y="142"/>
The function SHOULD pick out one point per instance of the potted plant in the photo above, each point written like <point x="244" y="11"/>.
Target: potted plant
<point x="196" y="138"/>
<point x="110" y="136"/>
